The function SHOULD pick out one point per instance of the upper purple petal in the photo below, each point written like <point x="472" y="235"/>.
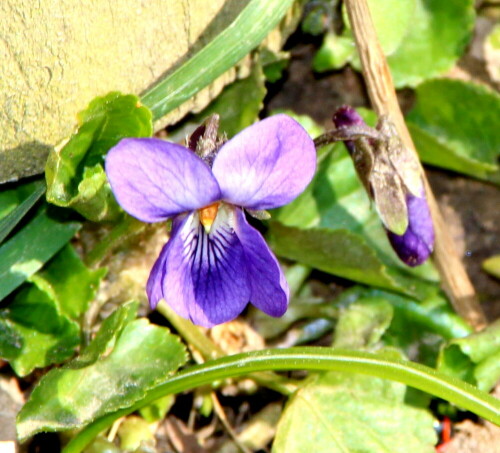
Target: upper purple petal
<point x="416" y="244"/>
<point x="203" y="277"/>
<point x="266" y="165"/>
<point x="269" y="288"/>
<point x="153" y="179"/>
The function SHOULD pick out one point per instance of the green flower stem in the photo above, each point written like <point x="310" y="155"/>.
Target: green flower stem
<point x="195" y="337"/>
<point x="122" y="230"/>
<point x="311" y="359"/>
<point x="247" y="31"/>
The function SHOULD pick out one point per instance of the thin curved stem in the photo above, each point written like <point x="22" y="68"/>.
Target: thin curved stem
<point x="312" y="359"/>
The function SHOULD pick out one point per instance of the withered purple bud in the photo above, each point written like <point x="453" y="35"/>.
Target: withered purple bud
<point x="392" y="178"/>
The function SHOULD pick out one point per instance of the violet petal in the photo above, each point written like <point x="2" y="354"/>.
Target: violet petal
<point x="266" y="165"/>
<point x="153" y="179"/>
<point x="269" y="288"/>
<point x="203" y="277"/>
<point x="155" y="281"/>
<point x="416" y="244"/>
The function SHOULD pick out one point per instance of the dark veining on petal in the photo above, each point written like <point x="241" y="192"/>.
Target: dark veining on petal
<point x="212" y="269"/>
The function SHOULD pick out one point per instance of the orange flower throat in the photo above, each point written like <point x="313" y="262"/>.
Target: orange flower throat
<point x="207" y="215"/>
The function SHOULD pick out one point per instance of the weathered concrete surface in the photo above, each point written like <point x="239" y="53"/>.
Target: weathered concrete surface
<point x="57" y="55"/>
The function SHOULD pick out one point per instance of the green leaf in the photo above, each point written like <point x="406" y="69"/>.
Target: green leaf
<point x="40" y="321"/>
<point x="362" y="324"/>
<point x="70" y="282"/>
<point x="37" y="333"/>
<point x="273" y="64"/>
<point x="339" y="252"/>
<point x="333" y="227"/>
<point x="438" y="33"/>
<point x="474" y="358"/>
<point x="16" y="211"/>
<point x="344" y="412"/>
<point x="107" y="377"/>
<point x="417" y="328"/>
<point x="492" y="266"/>
<point x="133" y="432"/>
<point x="26" y="252"/>
<point x="12" y="195"/>
<point x="317" y="15"/>
<point x="75" y="174"/>
<point x="247" y="31"/>
<point x="335" y="52"/>
<point x="105" y="338"/>
<point x="157" y="410"/>
<point x="101" y="445"/>
<point x="391" y="19"/>
<point x="433" y="314"/>
<point x="453" y="127"/>
<point x="421" y="38"/>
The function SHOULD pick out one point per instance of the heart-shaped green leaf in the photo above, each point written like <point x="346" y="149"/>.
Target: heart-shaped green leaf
<point x="124" y="361"/>
<point x="454" y="128"/>
<point x="75" y="174"/>
<point x="474" y="359"/>
<point x="350" y="413"/>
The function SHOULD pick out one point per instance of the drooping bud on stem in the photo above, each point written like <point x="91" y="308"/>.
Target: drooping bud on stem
<point x="392" y="177"/>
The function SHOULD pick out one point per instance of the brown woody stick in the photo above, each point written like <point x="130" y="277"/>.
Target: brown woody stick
<point x="378" y="80"/>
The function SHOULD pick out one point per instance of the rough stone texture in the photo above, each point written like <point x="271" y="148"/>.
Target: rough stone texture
<point x="57" y="55"/>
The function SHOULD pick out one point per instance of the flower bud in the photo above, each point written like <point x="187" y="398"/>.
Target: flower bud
<point x="346" y="116"/>
<point x="392" y="177"/>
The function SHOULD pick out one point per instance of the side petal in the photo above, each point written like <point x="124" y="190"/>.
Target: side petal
<point x="153" y="179"/>
<point x="269" y="288"/>
<point x="202" y="276"/>
<point x="266" y="165"/>
<point x="154" y="286"/>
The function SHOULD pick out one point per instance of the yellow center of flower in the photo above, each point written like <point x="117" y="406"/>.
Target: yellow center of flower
<point x="207" y="215"/>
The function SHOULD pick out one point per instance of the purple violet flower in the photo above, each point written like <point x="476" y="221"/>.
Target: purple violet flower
<point x="214" y="262"/>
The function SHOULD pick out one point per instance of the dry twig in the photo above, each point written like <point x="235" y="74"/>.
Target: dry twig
<point x="378" y="80"/>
